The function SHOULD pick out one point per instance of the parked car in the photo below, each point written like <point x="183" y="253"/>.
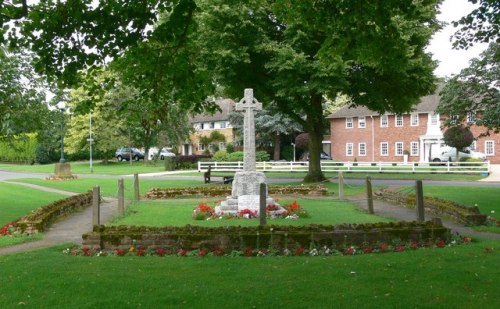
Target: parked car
<point x="447" y="153"/>
<point x="126" y="153"/>
<point x="166" y="153"/>
<point x="323" y="156"/>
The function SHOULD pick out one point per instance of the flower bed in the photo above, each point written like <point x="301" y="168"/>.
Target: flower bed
<point x="40" y="219"/>
<point x="231" y="238"/>
<point x="207" y="191"/>
<point x="437" y="206"/>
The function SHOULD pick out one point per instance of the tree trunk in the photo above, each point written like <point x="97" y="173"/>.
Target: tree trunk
<point x="277" y="147"/>
<point x="314" y="126"/>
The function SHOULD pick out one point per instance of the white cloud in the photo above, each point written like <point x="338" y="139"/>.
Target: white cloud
<point x="451" y="61"/>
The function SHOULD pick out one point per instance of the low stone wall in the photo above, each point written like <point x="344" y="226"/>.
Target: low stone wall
<point x="163" y="193"/>
<point x="40" y="219"/>
<point x="437" y="206"/>
<point x="281" y="237"/>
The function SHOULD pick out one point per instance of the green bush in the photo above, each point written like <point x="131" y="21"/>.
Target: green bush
<point x="236" y="156"/>
<point x="287" y="153"/>
<point x="19" y="149"/>
<point x="230" y="148"/>
<point x="479" y="161"/>
<point x="170" y="163"/>
<point x="221" y="156"/>
<point x="262" y="156"/>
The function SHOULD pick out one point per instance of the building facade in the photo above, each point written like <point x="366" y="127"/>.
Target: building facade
<point x="205" y="124"/>
<point x="359" y="134"/>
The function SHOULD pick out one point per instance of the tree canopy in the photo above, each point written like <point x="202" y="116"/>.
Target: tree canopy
<point x="475" y="92"/>
<point x="482" y="25"/>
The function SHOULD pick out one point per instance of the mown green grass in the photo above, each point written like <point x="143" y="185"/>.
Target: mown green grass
<point x="17" y="201"/>
<point x="83" y="167"/>
<point x="178" y="213"/>
<point x="464" y="276"/>
<point x="109" y="187"/>
<point x="6" y="241"/>
<point x="486" y="198"/>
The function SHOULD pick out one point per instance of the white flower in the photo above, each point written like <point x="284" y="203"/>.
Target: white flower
<point x="492" y="211"/>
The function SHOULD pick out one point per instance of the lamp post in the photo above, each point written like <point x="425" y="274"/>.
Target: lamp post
<point x="90" y="140"/>
<point x="62" y="136"/>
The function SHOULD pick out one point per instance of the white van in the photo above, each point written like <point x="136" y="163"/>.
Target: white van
<point x="447" y="153"/>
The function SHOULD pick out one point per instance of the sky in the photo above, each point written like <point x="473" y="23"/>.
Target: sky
<point x="452" y="61"/>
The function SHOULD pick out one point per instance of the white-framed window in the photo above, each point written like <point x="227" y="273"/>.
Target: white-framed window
<point x="384" y="121"/>
<point x="414" y="148"/>
<point x="211" y="125"/>
<point x="362" y="122"/>
<point x="348" y="123"/>
<point x="471" y="117"/>
<point x="222" y="124"/>
<point x="434" y="119"/>
<point x="201" y="147"/>
<point x="399" y="120"/>
<point x="349" y="149"/>
<point x="362" y="149"/>
<point x="414" y="120"/>
<point x="489" y="148"/>
<point x="384" y="149"/>
<point x="398" y="148"/>
<point x="222" y="145"/>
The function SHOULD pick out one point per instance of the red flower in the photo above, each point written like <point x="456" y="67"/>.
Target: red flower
<point x="293" y="207"/>
<point x="247" y="213"/>
<point x="141" y="252"/>
<point x="181" y="252"/>
<point x="5" y="229"/>
<point x="218" y="251"/>
<point x="399" y="248"/>
<point x="441" y="243"/>
<point x="203" y="207"/>
<point x="120" y="252"/>
<point x="87" y="251"/>
<point x="300" y="250"/>
<point x="202" y="252"/>
<point x="466" y="239"/>
<point x="367" y="249"/>
<point x="350" y="250"/>
<point x="414" y="244"/>
<point x="160" y="252"/>
<point x="248" y="251"/>
<point x="383" y="247"/>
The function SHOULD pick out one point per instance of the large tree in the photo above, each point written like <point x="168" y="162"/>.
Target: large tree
<point x="475" y="92"/>
<point x="294" y="53"/>
<point x="481" y="25"/>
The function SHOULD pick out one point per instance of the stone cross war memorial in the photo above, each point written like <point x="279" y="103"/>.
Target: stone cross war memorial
<point x="246" y="183"/>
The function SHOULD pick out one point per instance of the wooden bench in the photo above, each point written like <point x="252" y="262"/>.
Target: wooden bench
<point x="208" y="176"/>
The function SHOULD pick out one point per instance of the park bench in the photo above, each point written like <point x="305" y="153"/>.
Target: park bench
<point x="208" y="176"/>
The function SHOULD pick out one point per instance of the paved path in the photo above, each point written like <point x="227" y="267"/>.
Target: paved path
<point x="70" y="229"/>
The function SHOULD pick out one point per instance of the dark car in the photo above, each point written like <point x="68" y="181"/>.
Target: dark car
<point x="323" y="156"/>
<point x="126" y="153"/>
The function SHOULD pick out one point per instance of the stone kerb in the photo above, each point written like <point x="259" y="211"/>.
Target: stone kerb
<point x="40" y="219"/>
<point x="280" y="237"/>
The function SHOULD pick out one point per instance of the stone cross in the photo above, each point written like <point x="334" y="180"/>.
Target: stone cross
<point x="248" y="104"/>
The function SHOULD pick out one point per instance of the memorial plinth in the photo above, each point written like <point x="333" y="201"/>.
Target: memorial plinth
<point x="63" y="171"/>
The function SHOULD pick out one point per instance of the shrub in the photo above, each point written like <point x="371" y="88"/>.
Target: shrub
<point x="230" y="148"/>
<point x="221" y="156"/>
<point x="236" y="156"/>
<point x="262" y="156"/>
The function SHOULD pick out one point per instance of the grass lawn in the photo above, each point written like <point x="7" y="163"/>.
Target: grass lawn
<point x="109" y="187"/>
<point x="17" y="201"/>
<point x="111" y="168"/>
<point x="178" y="213"/>
<point x="10" y="241"/>
<point x="454" y="277"/>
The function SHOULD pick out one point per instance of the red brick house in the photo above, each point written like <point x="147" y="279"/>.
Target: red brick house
<point x="366" y="136"/>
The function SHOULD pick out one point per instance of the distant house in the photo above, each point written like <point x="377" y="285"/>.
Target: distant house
<point x="205" y="124"/>
<point x="363" y="135"/>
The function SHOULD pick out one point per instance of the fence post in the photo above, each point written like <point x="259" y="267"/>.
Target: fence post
<point x="262" y="204"/>
<point x="136" y="187"/>
<point x="96" y="206"/>
<point x="121" y="197"/>
<point x="420" y="201"/>
<point x="369" y="194"/>
<point x="341" y="185"/>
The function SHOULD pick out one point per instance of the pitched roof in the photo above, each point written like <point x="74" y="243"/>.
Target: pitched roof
<point x="226" y="106"/>
<point x="427" y="104"/>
